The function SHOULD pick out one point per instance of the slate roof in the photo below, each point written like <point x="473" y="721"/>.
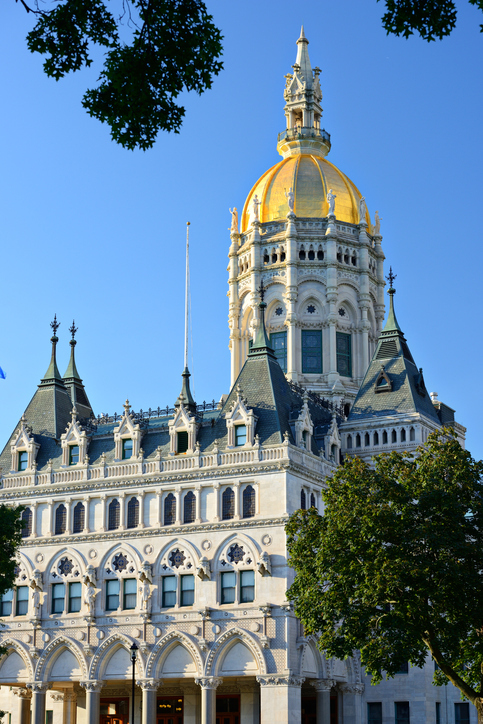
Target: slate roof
<point x="275" y="402"/>
<point x="408" y="393"/>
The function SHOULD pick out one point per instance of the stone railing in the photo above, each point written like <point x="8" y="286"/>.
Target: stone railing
<point x="178" y="463"/>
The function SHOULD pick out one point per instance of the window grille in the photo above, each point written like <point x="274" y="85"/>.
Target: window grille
<point x="312" y="500"/>
<point x="374" y="712"/>
<point x="248" y="502"/>
<point x="401" y="710"/>
<point x="114" y="514"/>
<point x="79" y="518"/>
<point x="189" y="505"/>
<point x="26" y="523"/>
<point x="170" y="510"/>
<point x="228" y="504"/>
<point x="133" y="513"/>
<point x="60" y="519"/>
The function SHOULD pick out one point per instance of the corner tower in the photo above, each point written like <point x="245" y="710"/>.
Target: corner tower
<point x="306" y="234"/>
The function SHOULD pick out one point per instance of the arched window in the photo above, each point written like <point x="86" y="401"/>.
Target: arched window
<point x="228" y="504"/>
<point x="170" y="510"/>
<point x="26" y="523"/>
<point x="384" y="437"/>
<point x="248" y="502"/>
<point x="358" y="440"/>
<point x="274" y="258"/>
<point x="349" y="441"/>
<point x="376" y="438"/>
<point x="189" y="505"/>
<point x="312" y="500"/>
<point x="79" y="518"/>
<point x="60" y="519"/>
<point x="303" y="503"/>
<point x="412" y="434"/>
<point x="114" y="515"/>
<point x="367" y="440"/>
<point x="311" y="255"/>
<point x="320" y="255"/>
<point x="133" y="513"/>
<point x="403" y="435"/>
<point x="302" y="255"/>
<point x="394" y="436"/>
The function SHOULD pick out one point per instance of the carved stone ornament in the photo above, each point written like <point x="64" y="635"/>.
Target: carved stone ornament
<point x="74" y="435"/>
<point x="323" y="684"/>
<point x="280" y="680"/>
<point x="127" y="430"/>
<point x="304" y="428"/>
<point x="352" y="688"/>
<point x="264" y="566"/>
<point x="149" y="684"/>
<point x="240" y="414"/>
<point x="91" y="686"/>
<point x="24" y="441"/>
<point x="209" y="682"/>
<point x="203" y="570"/>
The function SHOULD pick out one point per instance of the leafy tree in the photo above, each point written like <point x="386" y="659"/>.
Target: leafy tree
<point x="394" y="566"/>
<point x="430" y="18"/>
<point x="171" y="46"/>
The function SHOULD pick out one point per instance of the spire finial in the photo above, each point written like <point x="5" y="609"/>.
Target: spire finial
<point x="261" y="290"/>
<point x="391" y="278"/>
<point x="73" y="329"/>
<point x="55" y="326"/>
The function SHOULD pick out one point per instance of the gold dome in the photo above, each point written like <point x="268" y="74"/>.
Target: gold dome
<point x="310" y="177"/>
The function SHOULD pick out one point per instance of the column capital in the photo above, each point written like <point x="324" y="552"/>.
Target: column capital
<point x="209" y="682"/>
<point x="91" y="685"/>
<point x="70" y="695"/>
<point x="22" y="692"/>
<point x="280" y="680"/>
<point x="351" y="688"/>
<point x="323" y="684"/>
<point x="149" y="684"/>
<point x="57" y="696"/>
<point x="38" y="687"/>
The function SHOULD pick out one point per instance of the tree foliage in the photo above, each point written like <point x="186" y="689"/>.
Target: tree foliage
<point x="10" y="539"/>
<point x="432" y="19"/>
<point x="394" y="566"/>
<point x="173" y="46"/>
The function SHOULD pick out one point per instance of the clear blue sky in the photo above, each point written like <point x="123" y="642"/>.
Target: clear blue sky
<point x="94" y="232"/>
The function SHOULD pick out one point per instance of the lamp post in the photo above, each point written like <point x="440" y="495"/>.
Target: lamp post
<point x="134" y="651"/>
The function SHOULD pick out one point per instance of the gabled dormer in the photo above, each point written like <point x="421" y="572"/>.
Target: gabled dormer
<point x="127" y="436"/>
<point x="182" y="431"/>
<point x="24" y="449"/>
<point x="303" y="426"/>
<point x="74" y="442"/>
<point x="241" y="422"/>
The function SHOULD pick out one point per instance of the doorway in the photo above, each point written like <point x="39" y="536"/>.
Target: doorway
<point x="228" y="709"/>
<point x="309" y="710"/>
<point x="114" y="711"/>
<point x="334" y="709"/>
<point x="169" y="710"/>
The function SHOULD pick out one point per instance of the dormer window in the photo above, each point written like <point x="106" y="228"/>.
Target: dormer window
<point x="240" y="435"/>
<point x="73" y="454"/>
<point x="183" y="441"/>
<point x="23" y="458"/>
<point x="127" y="446"/>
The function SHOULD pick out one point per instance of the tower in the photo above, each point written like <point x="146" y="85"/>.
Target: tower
<point x="321" y="263"/>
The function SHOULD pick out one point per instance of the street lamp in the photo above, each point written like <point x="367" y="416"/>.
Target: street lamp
<point x="134" y="651"/>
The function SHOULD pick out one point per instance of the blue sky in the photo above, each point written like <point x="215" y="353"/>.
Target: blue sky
<point x="93" y="232"/>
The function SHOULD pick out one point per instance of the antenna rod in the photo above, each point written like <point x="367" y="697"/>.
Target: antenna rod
<point x="186" y="294"/>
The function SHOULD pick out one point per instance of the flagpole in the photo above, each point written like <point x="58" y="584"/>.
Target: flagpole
<point x="186" y="325"/>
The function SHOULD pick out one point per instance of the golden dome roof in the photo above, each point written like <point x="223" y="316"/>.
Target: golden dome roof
<point x="310" y="176"/>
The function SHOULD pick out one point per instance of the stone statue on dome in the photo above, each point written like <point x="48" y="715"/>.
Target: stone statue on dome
<point x="289" y="195"/>
<point x="234" y="220"/>
<point x="255" y="209"/>
<point x="362" y="210"/>
<point x="377" y="224"/>
<point x="331" y="197"/>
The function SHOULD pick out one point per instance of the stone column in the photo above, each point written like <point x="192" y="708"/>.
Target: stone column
<point x="249" y="704"/>
<point x="352" y="702"/>
<point x="86" y="514"/>
<point x="93" y="700"/>
<point x="51" y="515"/>
<point x="103" y="512"/>
<point x="141" y="508"/>
<point x="177" y="497"/>
<point x="198" y="504"/>
<point x="209" y="685"/>
<point x="38" y="689"/>
<point x="34" y="519"/>
<point x="323" y="687"/>
<point x="70" y="708"/>
<point x="281" y="697"/>
<point x="149" y="688"/>
<point x="216" y="490"/>
<point x="24" y="698"/>
<point x="68" y="526"/>
<point x="236" y="490"/>
<point x="122" y="511"/>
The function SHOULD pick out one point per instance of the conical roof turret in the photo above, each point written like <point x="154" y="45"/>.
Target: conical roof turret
<point x="185" y="397"/>
<point x="73" y="382"/>
<point x="303" y="60"/>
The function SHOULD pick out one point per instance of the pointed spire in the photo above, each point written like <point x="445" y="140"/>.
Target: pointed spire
<point x="303" y="60"/>
<point x="392" y="323"/>
<point x="261" y="343"/>
<point x="53" y="371"/>
<point x="71" y="372"/>
<point x="185" y="397"/>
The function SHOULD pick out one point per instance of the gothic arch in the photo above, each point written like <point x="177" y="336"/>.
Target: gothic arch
<point x="105" y="651"/>
<point x="119" y="546"/>
<point x="249" y="542"/>
<point x="229" y="639"/>
<point x="164" y="646"/>
<point x="53" y="651"/>
<point x="67" y="551"/>
<point x="351" y="308"/>
<point x="16" y="646"/>
<point x="310" y="647"/>
<point x="176" y="543"/>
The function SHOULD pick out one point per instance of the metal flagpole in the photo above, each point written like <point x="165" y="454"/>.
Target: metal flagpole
<point x="186" y="294"/>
